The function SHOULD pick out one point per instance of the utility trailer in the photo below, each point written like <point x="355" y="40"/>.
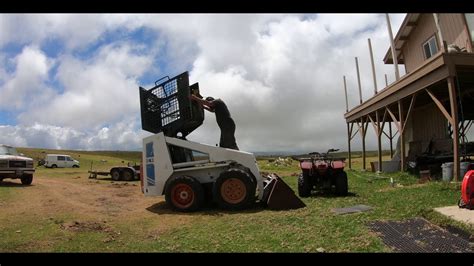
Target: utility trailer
<point x="119" y="173"/>
<point x="190" y="174"/>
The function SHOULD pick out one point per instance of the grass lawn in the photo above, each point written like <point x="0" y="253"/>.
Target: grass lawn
<point x="77" y="215"/>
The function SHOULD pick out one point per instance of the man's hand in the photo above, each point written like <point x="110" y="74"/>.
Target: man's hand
<point x="193" y="97"/>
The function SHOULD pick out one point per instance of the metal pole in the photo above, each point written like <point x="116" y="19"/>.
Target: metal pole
<point x="373" y="66"/>
<point x="358" y="80"/>
<point x="392" y="44"/>
<point x="345" y="91"/>
<point x="386" y="81"/>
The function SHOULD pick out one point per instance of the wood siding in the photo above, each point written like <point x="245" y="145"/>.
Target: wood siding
<point x="429" y="123"/>
<point x="453" y="30"/>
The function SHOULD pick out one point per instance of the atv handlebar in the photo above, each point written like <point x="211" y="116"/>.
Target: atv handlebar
<point x="320" y="156"/>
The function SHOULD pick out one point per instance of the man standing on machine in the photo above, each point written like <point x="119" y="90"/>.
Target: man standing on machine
<point x="223" y="119"/>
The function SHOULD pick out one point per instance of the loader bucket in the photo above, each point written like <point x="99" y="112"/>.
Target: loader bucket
<point x="277" y="195"/>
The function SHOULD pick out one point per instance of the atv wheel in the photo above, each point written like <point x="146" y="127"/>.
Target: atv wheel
<point x="341" y="184"/>
<point x="184" y="193"/>
<point x="234" y="189"/>
<point x="116" y="176"/>
<point x="304" y="186"/>
<point x="26" y="179"/>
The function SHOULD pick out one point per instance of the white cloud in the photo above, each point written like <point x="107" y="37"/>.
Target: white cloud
<point x="27" y="83"/>
<point x="121" y="136"/>
<point x="103" y="90"/>
<point x="281" y="75"/>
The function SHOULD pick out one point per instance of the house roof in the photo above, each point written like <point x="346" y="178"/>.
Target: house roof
<point x="408" y="25"/>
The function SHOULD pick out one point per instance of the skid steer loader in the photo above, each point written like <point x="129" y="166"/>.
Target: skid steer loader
<point x="188" y="173"/>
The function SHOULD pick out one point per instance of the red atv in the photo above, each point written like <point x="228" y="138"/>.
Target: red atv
<point x="323" y="173"/>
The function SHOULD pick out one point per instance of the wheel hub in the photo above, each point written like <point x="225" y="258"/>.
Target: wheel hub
<point x="182" y="195"/>
<point x="233" y="190"/>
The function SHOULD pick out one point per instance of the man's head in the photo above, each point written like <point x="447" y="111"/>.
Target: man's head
<point x="209" y="99"/>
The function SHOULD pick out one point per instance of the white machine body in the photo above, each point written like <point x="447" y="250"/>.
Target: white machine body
<point x="158" y="166"/>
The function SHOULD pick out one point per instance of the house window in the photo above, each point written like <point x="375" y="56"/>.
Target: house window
<point x="430" y="47"/>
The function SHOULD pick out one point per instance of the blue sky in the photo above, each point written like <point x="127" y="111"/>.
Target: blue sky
<point x="71" y="80"/>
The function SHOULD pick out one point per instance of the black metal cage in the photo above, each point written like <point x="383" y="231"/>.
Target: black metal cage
<point x="167" y="107"/>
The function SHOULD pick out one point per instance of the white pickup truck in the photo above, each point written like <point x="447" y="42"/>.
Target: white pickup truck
<point x="14" y="165"/>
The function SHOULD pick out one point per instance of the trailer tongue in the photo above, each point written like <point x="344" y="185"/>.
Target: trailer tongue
<point x="190" y="174"/>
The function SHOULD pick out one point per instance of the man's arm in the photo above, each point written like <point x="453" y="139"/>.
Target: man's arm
<point x="205" y="104"/>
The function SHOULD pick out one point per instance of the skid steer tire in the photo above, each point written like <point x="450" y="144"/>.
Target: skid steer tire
<point x="184" y="193"/>
<point x="304" y="185"/>
<point x="341" y="184"/>
<point x="116" y="175"/>
<point x="234" y="189"/>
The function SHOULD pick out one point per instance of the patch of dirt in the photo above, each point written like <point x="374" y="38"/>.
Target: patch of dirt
<point x="85" y="226"/>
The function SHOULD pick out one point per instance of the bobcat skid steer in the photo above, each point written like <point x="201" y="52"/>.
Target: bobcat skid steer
<point x="188" y="173"/>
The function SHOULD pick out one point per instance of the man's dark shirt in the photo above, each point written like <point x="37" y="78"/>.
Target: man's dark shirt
<point x="226" y="124"/>
<point x="223" y="118"/>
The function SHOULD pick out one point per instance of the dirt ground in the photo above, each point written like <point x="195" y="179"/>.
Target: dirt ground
<point x="79" y="204"/>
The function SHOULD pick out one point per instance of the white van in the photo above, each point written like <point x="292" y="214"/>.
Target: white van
<point x="60" y="160"/>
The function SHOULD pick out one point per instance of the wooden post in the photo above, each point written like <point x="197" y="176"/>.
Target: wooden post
<point x="373" y="66"/>
<point x="390" y="138"/>
<point x="363" y="143"/>
<point x="454" y="125"/>
<point x="345" y="92"/>
<point x="349" y="134"/>
<point x="440" y="36"/>
<point x="358" y="80"/>
<point x="379" y="140"/>
<point x="402" y="139"/>
<point x="392" y="45"/>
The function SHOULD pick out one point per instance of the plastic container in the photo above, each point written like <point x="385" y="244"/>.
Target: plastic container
<point x="463" y="168"/>
<point x="447" y="171"/>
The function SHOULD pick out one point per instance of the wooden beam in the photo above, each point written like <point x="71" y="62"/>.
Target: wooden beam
<point x="373" y="66"/>
<point x="379" y="141"/>
<point x="454" y="125"/>
<point x="366" y="126"/>
<point x="440" y="106"/>
<point x="391" y="137"/>
<point x="374" y="124"/>
<point x="358" y="80"/>
<point x="412" y="103"/>
<point x="349" y="133"/>
<point x="363" y="143"/>
<point x="392" y="46"/>
<point x="383" y="120"/>
<point x="411" y="24"/>
<point x="345" y="92"/>
<point x="394" y="119"/>
<point x="417" y="80"/>
<point x="402" y="139"/>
